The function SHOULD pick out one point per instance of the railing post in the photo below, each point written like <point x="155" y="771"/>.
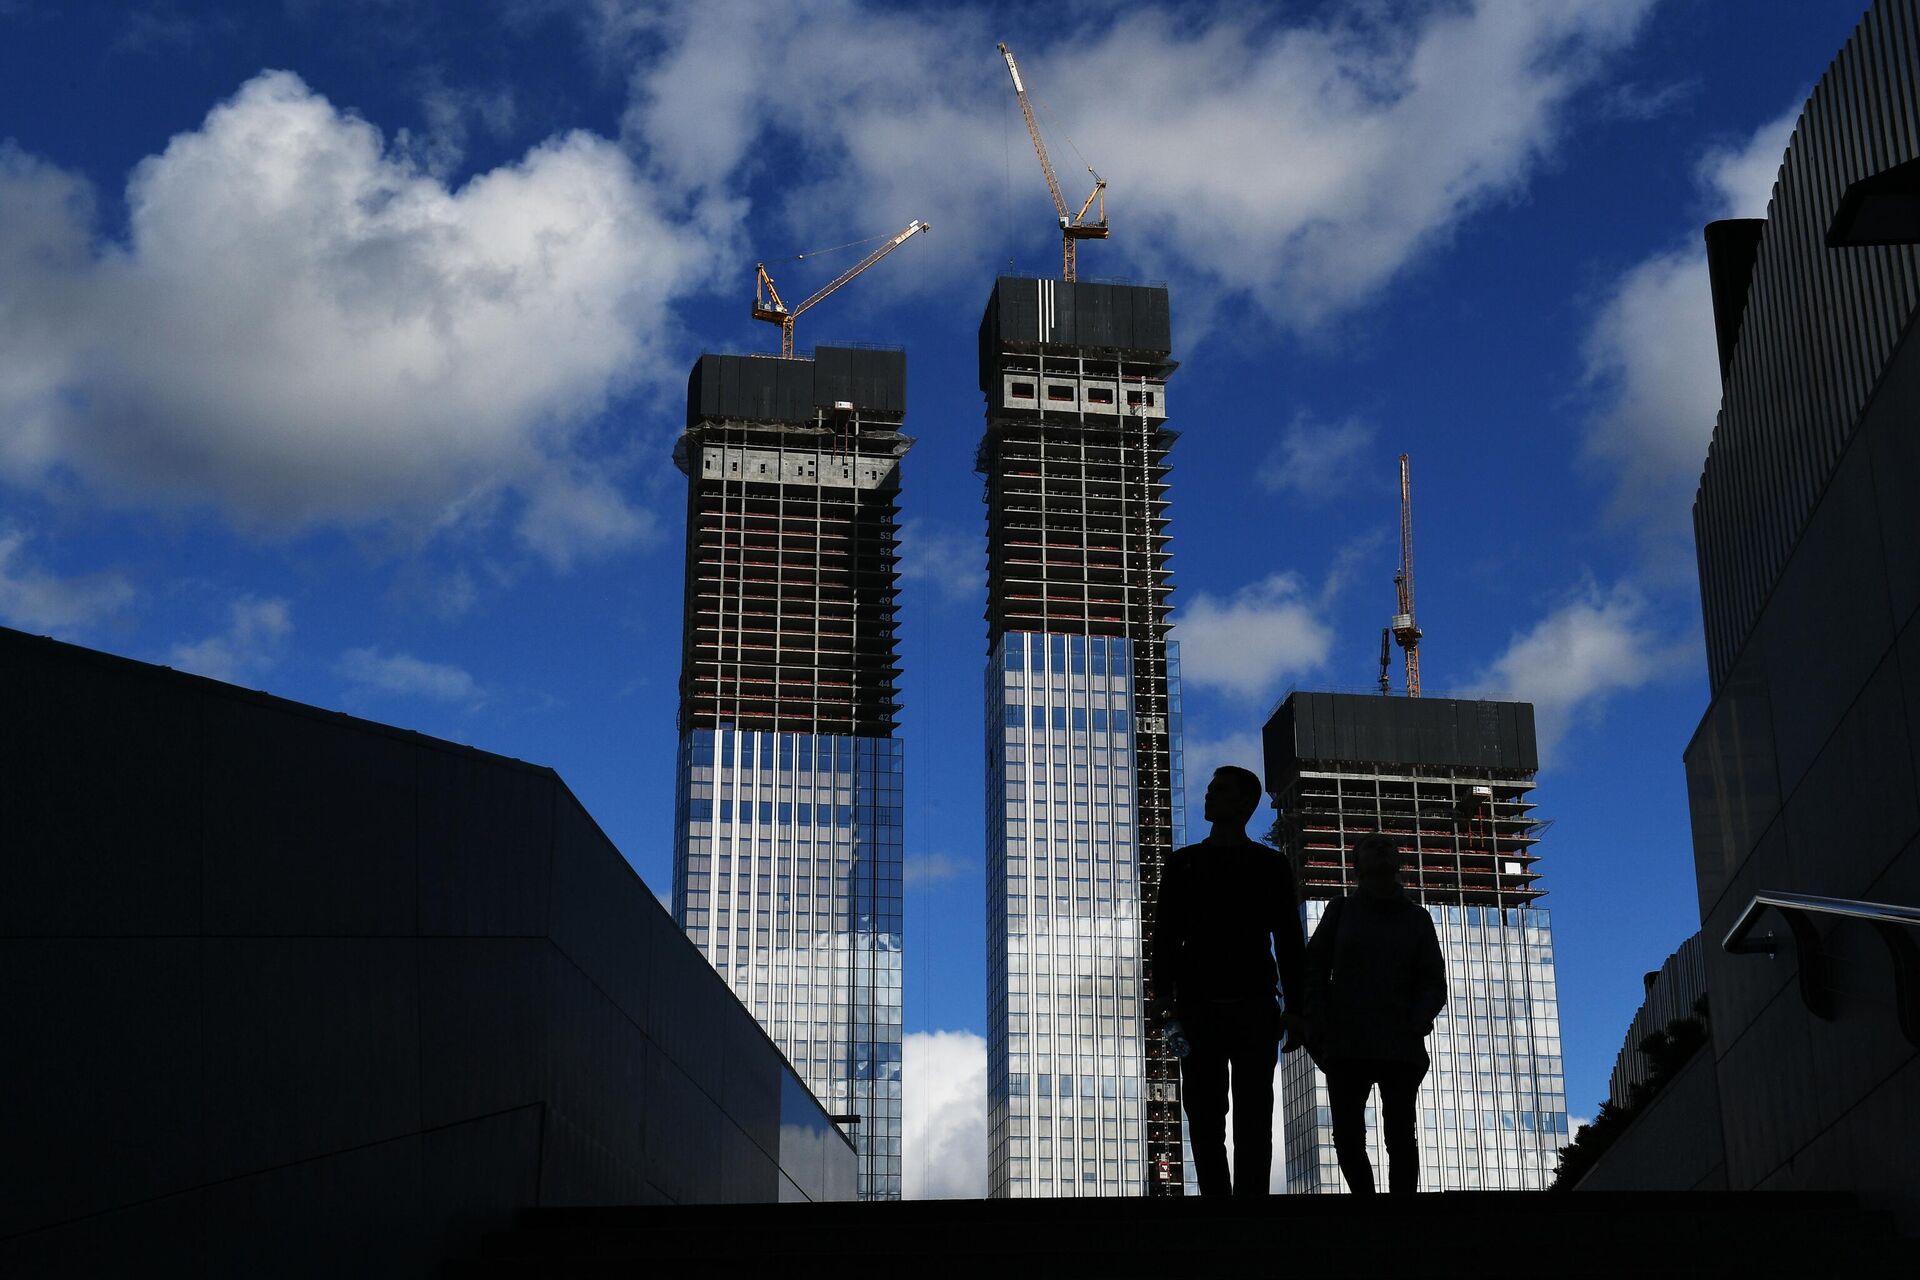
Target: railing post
<point x="1816" y="993"/>
<point x="1891" y="922"/>
<point x="1906" y="976"/>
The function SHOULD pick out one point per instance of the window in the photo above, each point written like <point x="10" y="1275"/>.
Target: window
<point x="1059" y="392"/>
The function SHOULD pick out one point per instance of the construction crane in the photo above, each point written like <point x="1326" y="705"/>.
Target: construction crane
<point x="1073" y="226"/>
<point x="768" y="306"/>
<point x="1403" y="627"/>
<point x="1386" y="660"/>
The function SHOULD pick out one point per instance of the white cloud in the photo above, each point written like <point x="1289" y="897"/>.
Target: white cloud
<point x="1277" y="1172"/>
<point x="943" y="1115"/>
<point x="1632" y="100"/>
<point x="439" y="148"/>
<point x="571" y="514"/>
<point x="1248" y="644"/>
<point x="1336" y="148"/>
<point x="1652" y="355"/>
<point x="403" y="675"/>
<point x="952" y="561"/>
<point x="1652" y="347"/>
<point x="36" y="600"/>
<point x="926" y="868"/>
<point x="1315" y="460"/>
<point x="1572" y="661"/>
<point x="256" y="633"/>
<point x="304" y="327"/>
<point x="1739" y="177"/>
<point x="1201" y="755"/>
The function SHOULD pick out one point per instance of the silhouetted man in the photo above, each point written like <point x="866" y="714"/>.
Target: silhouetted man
<point x="1226" y="937"/>
<point x="1375" y="981"/>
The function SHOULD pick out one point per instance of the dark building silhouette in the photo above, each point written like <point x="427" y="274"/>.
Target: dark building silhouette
<point x="1673" y="1140"/>
<point x="293" y="993"/>
<point x="1676" y="991"/>
<point x="1449" y="781"/>
<point x="1083" y="732"/>
<point x="788" y="837"/>
<point x="1803" y="776"/>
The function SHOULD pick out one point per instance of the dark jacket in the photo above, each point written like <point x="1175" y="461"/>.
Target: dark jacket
<point x="1227" y="927"/>
<point x="1375" y="979"/>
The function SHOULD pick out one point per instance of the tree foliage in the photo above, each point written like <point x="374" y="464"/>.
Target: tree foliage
<point x="1667" y="1051"/>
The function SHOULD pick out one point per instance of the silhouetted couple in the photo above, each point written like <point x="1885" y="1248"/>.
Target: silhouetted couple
<point x="1227" y="941"/>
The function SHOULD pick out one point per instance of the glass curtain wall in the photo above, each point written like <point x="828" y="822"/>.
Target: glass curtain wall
<point x="1065" y="1061"/>
<point x="790" y="883"/>
<point x="1493" y="1108"/>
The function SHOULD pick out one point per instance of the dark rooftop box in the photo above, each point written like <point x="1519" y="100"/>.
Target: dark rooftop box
<point x="1359" y="728"/>
<point x="772" y="389"/>
<point x="1123" y="317"/>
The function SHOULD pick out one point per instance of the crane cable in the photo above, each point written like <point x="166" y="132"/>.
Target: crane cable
<point x="815" y="253"/>
<point x="1006" y="144"/>
<point x="1061" y="131"/>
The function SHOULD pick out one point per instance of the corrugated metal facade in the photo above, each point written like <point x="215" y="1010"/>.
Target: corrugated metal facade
<point x="1672" y="994"/>
<point x="1819" y="327"/>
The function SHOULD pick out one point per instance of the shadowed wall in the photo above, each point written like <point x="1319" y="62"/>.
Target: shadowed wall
<point x="288" y="992"/>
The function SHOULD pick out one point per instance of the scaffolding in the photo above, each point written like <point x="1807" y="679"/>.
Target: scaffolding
<point x="792" y="572"/>
<point x="1448" y="781"/>
<point x="1467" y="837"/>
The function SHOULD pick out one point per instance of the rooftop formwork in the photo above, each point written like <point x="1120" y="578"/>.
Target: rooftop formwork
<point x="793" y="525"/>
<point x="1448" y="780"/>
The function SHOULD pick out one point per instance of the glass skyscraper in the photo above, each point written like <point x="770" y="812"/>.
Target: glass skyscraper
<point x="1083" y="762"/>
<point x="788" y="832"/>
<point x="1449" y="781"/>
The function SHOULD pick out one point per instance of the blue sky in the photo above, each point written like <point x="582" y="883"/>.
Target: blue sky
<point x="342" y="350"/>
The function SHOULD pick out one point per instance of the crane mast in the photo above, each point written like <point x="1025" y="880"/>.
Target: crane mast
<point x="768" y="306"/>
<point x="1403" y="628"/>
<point x="1074" y="227"/>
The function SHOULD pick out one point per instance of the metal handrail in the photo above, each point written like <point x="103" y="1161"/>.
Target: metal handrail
<point x="1889" y="920"/>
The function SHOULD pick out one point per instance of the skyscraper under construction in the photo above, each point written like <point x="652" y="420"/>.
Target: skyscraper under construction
<point x="1083" y="716"/>
<point x="788" y="845"/>
<point x="1449" y="781"/>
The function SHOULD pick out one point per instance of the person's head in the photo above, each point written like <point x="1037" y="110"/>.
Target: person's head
<point x="1232" y="796"/>
<point x="1376" y="864"/>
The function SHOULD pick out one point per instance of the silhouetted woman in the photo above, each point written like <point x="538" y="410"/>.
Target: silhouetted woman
<point x="1375" y="981"/>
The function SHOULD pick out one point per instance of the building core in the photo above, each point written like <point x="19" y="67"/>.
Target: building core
<point x="1449" y="782"/>
<point x="788" y="833"/>
<point x="1083" y="732"/>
